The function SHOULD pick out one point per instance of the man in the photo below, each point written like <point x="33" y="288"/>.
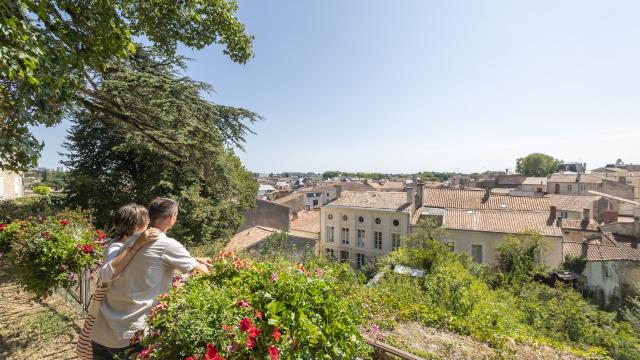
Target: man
<point x="133" y="293"/>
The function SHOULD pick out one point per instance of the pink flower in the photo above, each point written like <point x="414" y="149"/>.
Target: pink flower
<point x="144" y="354"/>
<point x="212" y="353"/>
<point x="189" y="358"/>
<point x="251" y="343"/>
<point x="245" y="324"/>
<point x="274" y="277"/>
<point x="244" y="303"/>
<point x="64" y="222"/>
<point x="276" y="334"/>
<point x="177" y="282"/>
<point x="254" y="332"/>
<point x="273" y="352"/>
<point x="3" y="226"/>
<point x="319" y="272"/>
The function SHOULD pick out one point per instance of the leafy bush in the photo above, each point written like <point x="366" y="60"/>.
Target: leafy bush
<point x="7" y="236"/>
<point x="48" y="253"/>
<point x="253" y="310"/>
<point x="577" y="264"/>
<point x="520" y="256"/>
<point x="42" y="190"/>
<point x="30" y="206"/>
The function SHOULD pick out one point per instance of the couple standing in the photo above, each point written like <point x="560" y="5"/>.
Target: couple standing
<point x="139" y="266"/>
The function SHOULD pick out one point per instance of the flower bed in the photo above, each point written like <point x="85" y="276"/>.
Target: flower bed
<point x="47" y="253"/>
<point x="253" y="310"/>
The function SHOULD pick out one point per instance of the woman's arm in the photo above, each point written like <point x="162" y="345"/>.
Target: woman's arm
<point x="117" y="264"/>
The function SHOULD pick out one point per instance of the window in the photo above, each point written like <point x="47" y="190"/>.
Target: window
<point x="378" y="221"/>
<point x="476" y="253"/>
<point x="360" y="219"/>
<point x="377" y="236"/>
<point x="330" y="216"/>
<point x="315" y="202"/>
<point x="344" y="256"/>
<point x="564" y="214"/>
<point x="583" y="187"/>
<point x="344" y="218"/>
<point x="330" y="254"/>
<point x="328" y="195"/>
<point x="330" y="235"/>
<point x="396" y="222"/>
<point x="395" y="241"/>
<point x="345" y="236"/>
<point x="360" y="260"/>
<point x="569" y="187"/>
<point x="360" y="240"/>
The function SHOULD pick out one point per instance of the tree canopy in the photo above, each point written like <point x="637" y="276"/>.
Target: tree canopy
<point x="185" y="150"/>
<point x="54" y="54"/>
<point x="537" y="164"/>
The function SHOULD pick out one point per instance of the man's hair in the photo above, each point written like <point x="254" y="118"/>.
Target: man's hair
<point x="129" y="218"/>
<point x="161" y="208"/>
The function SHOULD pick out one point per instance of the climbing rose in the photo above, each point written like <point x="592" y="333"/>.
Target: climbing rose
<point x="212" y="353"/>
<point x="276" y="334"/>
<point x="64" y="222"/>
<point x="245" y="324"/>
<point x="273" y="351"/>
<point x="244" y="303"/>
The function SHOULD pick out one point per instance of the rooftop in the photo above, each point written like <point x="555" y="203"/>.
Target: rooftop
<point x="572" y="202"/>
<point x="248" y="238"/>
<point x="480" y="200"/>
<point x="576" y="178"/>
<point x="385" y="200"/>
<point x="576" y="224"/>
<point x="501" y="221"/>
<point x="307" y="220"/>
<point x="611" y="247"/>
<point x="295" y="200"/>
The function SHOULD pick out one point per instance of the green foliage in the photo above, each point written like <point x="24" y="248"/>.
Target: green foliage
<point x="631" y="312"/>
<point x="30" y="206"/>
<point x="53" y="179"/>
<point x="301" y="305"/>
<point x="521" y="256"/>
<point x="537" y="164"/>
<point x="42" y="190"/>
<point x="273" y="245"/>
<point x="48" y="253"/>
<point x="54" y="53"/>
<point x="189" y="158"/>
<point x="577" y="264"/>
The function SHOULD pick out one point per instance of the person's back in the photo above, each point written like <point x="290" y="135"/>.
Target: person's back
<point x="132" y="294"/>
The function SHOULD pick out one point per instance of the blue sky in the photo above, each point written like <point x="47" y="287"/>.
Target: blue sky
<point x="406" y="86"/>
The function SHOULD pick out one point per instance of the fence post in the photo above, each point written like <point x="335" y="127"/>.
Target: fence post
<point x="81" y="290"/>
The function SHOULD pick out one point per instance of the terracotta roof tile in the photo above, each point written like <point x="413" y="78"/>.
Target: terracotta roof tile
<point x="248" y="238"/>
<point x="573" y="224"/>
<point x="478" y="200"/>
<point x="616" y="248"/>
<point x="572" y="202"/>
<point x="307" y="220"/>
<point x="295" y="200"/>
<point x="501" y="221"/>
<point x="387" y="200"/>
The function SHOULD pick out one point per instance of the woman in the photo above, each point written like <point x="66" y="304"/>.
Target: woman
<point x="131" y="234"/>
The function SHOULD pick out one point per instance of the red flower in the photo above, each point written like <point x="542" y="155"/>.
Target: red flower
<point x="2" y="226"/>
<point x="259" y="315"/>
<point x="64" y="222"/>
<point x="212" y="353"/>
<point x="144" y="354"/>
<point x="87" y="248"/>
<point x="101" y="235"/>
<point x="245" y="324"/>
<point x="276" y="333"/>
<point x="244" y="303"/>
<point x="254" y="332"/>
<point x="250" y="343"/>
<point x="189" y="358"/>
<point x="273" y="351"/>
<point x="44" y="234"/>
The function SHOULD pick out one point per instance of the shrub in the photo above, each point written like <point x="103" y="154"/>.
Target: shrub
<point x="48" y="253"/>
<point x="577" y="264"/>
<point x="253" y="310"/>
<point x="520" y="256"/>
<point x="8" y="234"/>
<point x="42" y="190"/>
<point x="30" y="206"/>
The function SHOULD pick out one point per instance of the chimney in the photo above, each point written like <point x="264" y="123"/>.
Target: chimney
<point x="559" y="222"/>
<point x="338" y="190"/>
<point x="610" y="217"/>
<point x="586" y="214"/>
<point x="554" y="212"/>
<point x="410" y="198"/>
<point x="419" y="192"/>
<point x="585" y="248"/>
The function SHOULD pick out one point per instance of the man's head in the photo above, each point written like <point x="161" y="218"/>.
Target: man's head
<point x="163" y="213"/>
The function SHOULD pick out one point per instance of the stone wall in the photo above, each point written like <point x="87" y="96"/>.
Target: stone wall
<point x="269" y="214"/>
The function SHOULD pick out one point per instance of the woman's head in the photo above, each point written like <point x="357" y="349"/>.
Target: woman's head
<point x="130" y="219"/>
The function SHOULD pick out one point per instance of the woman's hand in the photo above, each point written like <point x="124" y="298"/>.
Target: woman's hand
<point x="150" y="235"/>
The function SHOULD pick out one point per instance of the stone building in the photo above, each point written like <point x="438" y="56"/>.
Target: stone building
<point x="11" y="185"/>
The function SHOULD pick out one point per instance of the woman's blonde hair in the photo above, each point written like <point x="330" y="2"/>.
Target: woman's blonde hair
<point x="129" y="218"/>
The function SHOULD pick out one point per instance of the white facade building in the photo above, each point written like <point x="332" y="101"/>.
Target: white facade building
<point x="10" y="185"/>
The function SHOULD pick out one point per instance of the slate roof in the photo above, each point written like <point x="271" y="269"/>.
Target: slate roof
<point x="478" y="200"/>
<point x="386" y="200"/>
<point x="501" y="221"/>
